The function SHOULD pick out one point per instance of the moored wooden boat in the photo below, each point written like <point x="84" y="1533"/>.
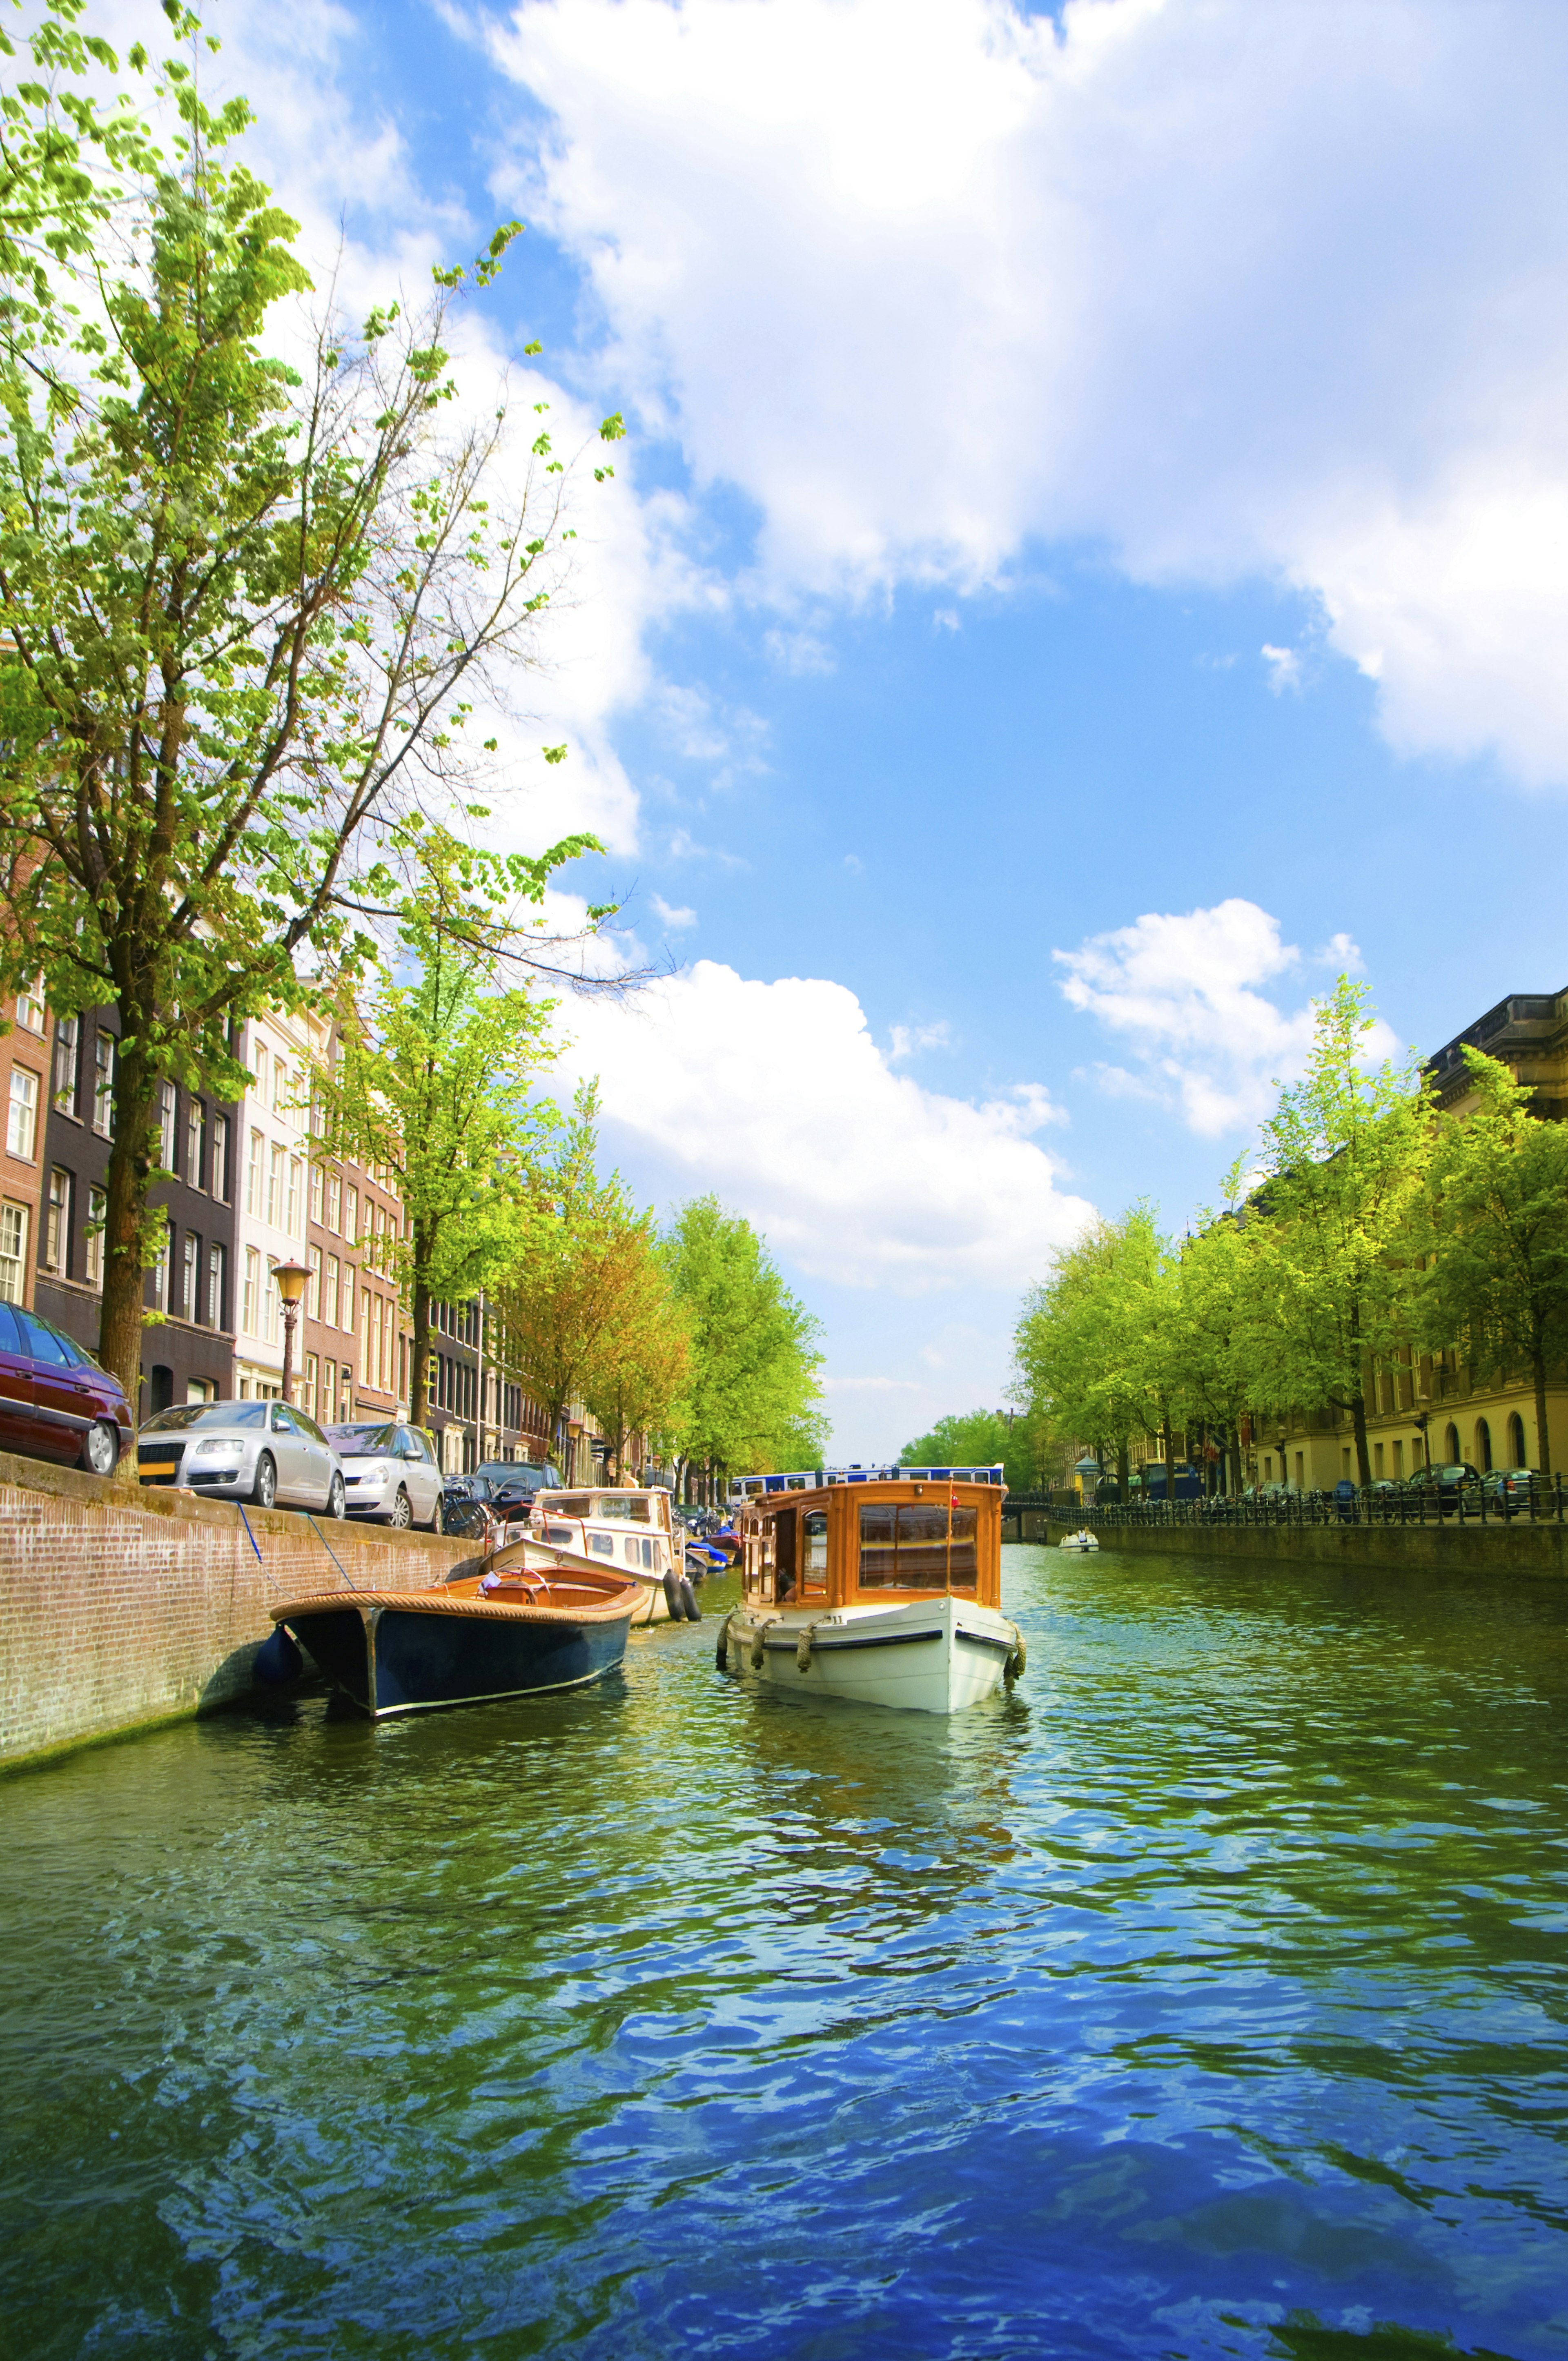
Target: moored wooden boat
<point x="620" y="1526"/>
<point x="507" y="1632"/>
<point x="881" y="1587"/>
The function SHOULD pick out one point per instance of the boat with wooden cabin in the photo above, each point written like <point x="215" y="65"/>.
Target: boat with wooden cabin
<point x="620" y="1526"/>
<point x="509" y="1631"/>
<point x="879" y="1585"/>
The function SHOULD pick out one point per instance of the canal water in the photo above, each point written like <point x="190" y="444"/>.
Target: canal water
<point x="1206" y="1996"/>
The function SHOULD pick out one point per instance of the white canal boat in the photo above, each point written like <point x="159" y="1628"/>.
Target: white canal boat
<point x="881" y="1585"/>
<point x="612" y="1528"/>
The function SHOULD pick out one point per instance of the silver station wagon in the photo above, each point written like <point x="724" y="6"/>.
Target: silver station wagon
<point x="267" y="1452"/>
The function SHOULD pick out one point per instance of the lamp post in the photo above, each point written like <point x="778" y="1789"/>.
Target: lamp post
<point x="291" y="1278"/>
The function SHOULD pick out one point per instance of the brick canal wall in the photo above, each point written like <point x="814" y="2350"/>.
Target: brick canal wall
<point x="1484" y="1552"/>
<point x="119" y="1607"/>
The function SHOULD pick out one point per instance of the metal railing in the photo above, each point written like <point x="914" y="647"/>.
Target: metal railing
<point x="1541" y="1503"/>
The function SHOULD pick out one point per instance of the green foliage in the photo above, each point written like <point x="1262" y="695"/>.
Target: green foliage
<point x="1091" y="1344"/>
<point x="435" y="1086"/>
<point x="752" y="1400"/>
<point x="980" y="1439"/>
<point x="248" y="607"/>
<point x="1495" y="1237"/>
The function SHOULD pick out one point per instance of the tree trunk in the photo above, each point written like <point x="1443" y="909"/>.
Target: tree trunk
<point x="124" y="1223"/>
<point x="1168" y="1439"/>
<point x="1543" y="1440"/>
<point x="1363" y="1457"/>
<point x="1124" y="1469"/>
<point x="419" y="1375"/>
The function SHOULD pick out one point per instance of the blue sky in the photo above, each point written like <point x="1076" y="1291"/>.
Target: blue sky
<point x="1090" y="560"/>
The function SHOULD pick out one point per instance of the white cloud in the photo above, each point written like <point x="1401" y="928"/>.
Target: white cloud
<point x="908" y="1040"/>
<point x="800" y="653"/>
<point x="673" y="920"/>
<point x="1188" y="991"/>
<point x="1284" y="667"/>
<point x="854" y="1172"/>
<point x="946" y="619"/>
<point x="1226" y="289"/>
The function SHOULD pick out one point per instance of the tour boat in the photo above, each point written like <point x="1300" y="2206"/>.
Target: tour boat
<point x="881" y="1585"/>
<point x="614" y="1527"/>
<point x="1082" y="1539"/>
<point x="507" y="1632"/>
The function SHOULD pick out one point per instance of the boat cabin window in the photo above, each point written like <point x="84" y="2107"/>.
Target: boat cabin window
<point x="602" y="1543"/>
<point x="918" y="1545"/>
<point x="563" y="1533"/>
<point x="570" y="1504"/>
<point x="814" y="1549"/>
<point x="623" y="1507"/>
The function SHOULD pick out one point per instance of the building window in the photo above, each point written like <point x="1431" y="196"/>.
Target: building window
<point x="13" y="1251"/>
<point x="368" y="1303"/>
<point x="251" y="1305"/>
<point x="98" y="1214"/>
<point x="315" y="1407"/>
<point x="160" y="1274"/>
<point x="293" y="1194"/>
<point x="67" y="1062"/>
<point x="273" y="1302"/>
<point x="259" y="1062"/>
<point x="217" y="1257"/>
<point x="275" y="1188"/>
<point x="279" y="1084"/>
<point x="348" y="1297"/>
<point x="191" y="1277"/>
<point x="195" y="1125"/>
<point x="165" y="1125"/>
<point x="57" y="1224"/>
<point x="329" y="1393"/>
<point x="253" y="1175"/>
<point x="313" y="1285"/>
<point x="31" y="1005"/>
<point x="22" y="1125"/>
<point x="350" y="1215"/>
<point x="318" y="1186"/>
<point x="329" y="1312"/>
<point x="104" y="1084"/>
<point x="218" y="1178"/>
<point x="334" y="1202"/>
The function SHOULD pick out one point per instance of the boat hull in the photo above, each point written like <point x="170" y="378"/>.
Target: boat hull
<point x="928" y="1655"/>
<point x="400" y="1653"/>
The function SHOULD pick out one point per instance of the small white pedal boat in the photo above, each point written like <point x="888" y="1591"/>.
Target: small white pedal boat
<point x="1082" y="1539"/>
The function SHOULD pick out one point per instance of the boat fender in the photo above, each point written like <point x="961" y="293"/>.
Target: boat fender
<point x="759" y="1647"/>
<point x="1017" y="1658"/>
<point x="802" y="1648"/>
<point x="277" y="1660"/>
<point x="672" y="1595"/>
<point x="722" y="1652"/>
<point x="689" y="1606"/>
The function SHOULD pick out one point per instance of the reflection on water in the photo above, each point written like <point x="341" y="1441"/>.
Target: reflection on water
<point x="1204" y="1997"/>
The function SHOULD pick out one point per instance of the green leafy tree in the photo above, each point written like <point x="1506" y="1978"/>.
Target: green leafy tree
<point x="1089" y="1347"/>
<point x="1209" y="1374"/>
<point x="1495" y="1237"/>
<point x="753" y="1398"/>
<point x="980" y="1439"/>
<point x="1330" y="1281"/>
<point x="642" y="1365"/>
<point x="247" y="609"/>
<point x="436" y="1086"/>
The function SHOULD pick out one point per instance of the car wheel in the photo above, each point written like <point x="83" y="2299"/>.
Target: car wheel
<point x="438" y="1518"/>
<point x="264" y="1491"/>
<point x="402" y="1515"/>
<point x="101" y="1449"/>
<point x="337" y="1499"/>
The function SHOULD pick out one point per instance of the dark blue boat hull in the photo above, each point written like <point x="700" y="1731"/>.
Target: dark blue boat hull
<point x="391" y="1661"/>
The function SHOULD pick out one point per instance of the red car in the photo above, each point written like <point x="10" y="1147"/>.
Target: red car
<point x="55" y="1402"/>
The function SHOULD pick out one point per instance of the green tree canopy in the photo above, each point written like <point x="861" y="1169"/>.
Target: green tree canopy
<point x="979" y="1439"/>
<point x="753" y="1401"/>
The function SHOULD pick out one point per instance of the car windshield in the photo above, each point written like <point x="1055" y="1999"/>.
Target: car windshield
<point x="512" y="1471"/>
<point x="363" y="1442"/>
<point x="230" y="1414"/>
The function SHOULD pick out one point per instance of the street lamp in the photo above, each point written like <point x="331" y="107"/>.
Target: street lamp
<point x="290" y="1277"/>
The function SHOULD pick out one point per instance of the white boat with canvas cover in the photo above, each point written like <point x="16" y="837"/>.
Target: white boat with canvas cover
<point x="1082" y="1539"/>
<point x="610" y="1527"/>
<point x="879" y="1586"/>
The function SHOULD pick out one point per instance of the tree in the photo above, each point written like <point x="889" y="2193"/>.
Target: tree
<point x="247" y="609"/>
<point x="643" y="1362"/>
<point x="1495" y="1236"/>
<point x="435" y="1086"/>
<point x="562" y="1305"/>
<point x="1331" y="1285"/>
<point x="1090" y="1345"/>
<point x="753" y="1401"/>
<point x="980" y="1439"/>
<point x="1205" y="1331"/>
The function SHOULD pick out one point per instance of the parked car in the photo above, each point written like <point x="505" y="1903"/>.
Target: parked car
<point x="1512" y="1489"/>
<point x="1447" y="1485"/>
<point x="55" y="1402"/>
<point x="392" y="1474"/>
<point x="271" y="1452"/>
<point x="514" y="1482"/>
